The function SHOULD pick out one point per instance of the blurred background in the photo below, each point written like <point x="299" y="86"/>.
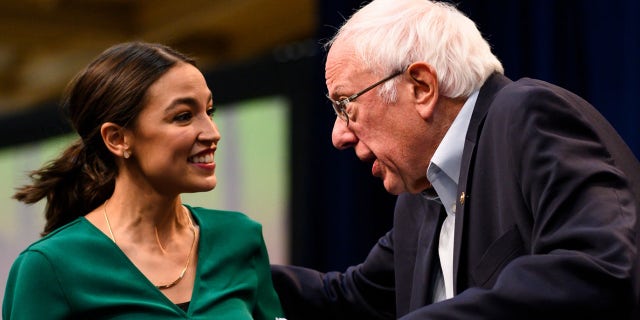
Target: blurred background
<point x="264" y="62"/>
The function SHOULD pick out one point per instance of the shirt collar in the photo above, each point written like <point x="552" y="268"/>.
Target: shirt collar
<point x="444" y="169"/>
<point x="448" y="155"/>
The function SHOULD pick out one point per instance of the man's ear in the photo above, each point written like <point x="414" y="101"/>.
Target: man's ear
<point x="114" y="137"/>
<point x="425" y="88"/>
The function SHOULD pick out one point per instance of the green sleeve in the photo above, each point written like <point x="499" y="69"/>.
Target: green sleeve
<point x="268" y="304"/>
<point x="33" y="290"/>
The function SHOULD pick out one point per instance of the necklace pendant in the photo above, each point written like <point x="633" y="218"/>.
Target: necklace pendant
<point x="170" y="285"/>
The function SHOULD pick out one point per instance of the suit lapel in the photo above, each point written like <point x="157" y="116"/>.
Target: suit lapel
<point x="427" y="262"/>
<point x="486" y="96"/>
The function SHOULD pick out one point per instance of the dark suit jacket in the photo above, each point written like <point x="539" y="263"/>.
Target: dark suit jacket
<point x="548" y="208"/>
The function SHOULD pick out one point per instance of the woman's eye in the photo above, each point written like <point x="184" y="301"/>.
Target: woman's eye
<point x="211" y="112"/>
<point x="185" y="116"/>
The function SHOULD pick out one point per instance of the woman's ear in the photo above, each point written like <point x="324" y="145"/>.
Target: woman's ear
<point x="114" y="137"/>
<point x="425" y="88"/>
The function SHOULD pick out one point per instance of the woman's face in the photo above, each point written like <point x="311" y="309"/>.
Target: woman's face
<point x="175" y="138"/>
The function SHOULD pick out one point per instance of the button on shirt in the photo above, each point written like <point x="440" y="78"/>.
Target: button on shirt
<point x="443" y="173"/>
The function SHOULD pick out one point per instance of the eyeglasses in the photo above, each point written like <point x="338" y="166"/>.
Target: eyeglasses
<point x="340" y="106"/>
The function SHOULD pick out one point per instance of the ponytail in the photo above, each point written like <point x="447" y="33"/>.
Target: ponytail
<point x="73" y="185"/>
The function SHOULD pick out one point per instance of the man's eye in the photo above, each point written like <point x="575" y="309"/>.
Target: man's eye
<point x="345" y="105"/>
<point x="185" y="116"/>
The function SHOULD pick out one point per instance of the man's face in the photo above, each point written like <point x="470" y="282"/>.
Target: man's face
<point x="392" y="137"/>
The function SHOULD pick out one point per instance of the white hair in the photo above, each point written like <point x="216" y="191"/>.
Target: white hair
<point x="388" y="35"/>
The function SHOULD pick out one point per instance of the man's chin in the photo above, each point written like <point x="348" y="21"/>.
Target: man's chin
<point x="397" y="187"/>
<point x="393" y="188"/>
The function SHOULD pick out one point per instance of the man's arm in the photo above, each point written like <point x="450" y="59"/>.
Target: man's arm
<point x="365" y="291"/>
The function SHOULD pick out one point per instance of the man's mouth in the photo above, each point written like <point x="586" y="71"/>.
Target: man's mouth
<point x="376" y="169"/>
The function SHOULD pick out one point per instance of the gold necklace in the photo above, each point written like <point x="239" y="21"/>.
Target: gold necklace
<point x="193" y="244"/>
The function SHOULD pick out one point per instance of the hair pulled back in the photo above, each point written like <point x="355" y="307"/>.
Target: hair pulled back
<point x="112" y="88"/>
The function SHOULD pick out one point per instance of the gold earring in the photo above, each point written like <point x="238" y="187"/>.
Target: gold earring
<point x="126" y="154"/>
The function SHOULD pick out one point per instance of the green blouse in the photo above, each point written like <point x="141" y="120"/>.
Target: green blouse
<point x="78" y="272"/>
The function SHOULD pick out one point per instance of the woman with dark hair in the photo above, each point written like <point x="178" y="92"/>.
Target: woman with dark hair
<point x="118" y="241"/>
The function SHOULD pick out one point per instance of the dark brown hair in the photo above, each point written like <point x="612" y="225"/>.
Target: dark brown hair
<point x="112" y="88"/>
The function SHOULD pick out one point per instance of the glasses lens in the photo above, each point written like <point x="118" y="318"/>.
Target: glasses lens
<point x="341" y="111"/>
<point x="337" y="107"/>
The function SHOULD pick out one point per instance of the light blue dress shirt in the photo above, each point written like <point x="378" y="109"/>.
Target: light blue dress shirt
<point x="443" y="173"/>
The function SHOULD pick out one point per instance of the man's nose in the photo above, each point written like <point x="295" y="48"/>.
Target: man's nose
<point x="341" y="136"/>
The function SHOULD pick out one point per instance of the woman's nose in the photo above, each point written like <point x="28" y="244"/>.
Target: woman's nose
<point x="209" y="133"/>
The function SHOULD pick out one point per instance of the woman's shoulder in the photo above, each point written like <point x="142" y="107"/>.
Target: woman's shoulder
<point x="70" y="233"/>
<point x="222" y="217"/>
<point x="63" y="247"/>
<point x="234" y="231"/>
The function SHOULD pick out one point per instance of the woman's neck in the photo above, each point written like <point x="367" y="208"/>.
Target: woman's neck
<point x="146" y="217"/>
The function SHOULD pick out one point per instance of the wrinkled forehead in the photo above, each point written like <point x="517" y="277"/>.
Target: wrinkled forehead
<point x="342" y="66"/>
